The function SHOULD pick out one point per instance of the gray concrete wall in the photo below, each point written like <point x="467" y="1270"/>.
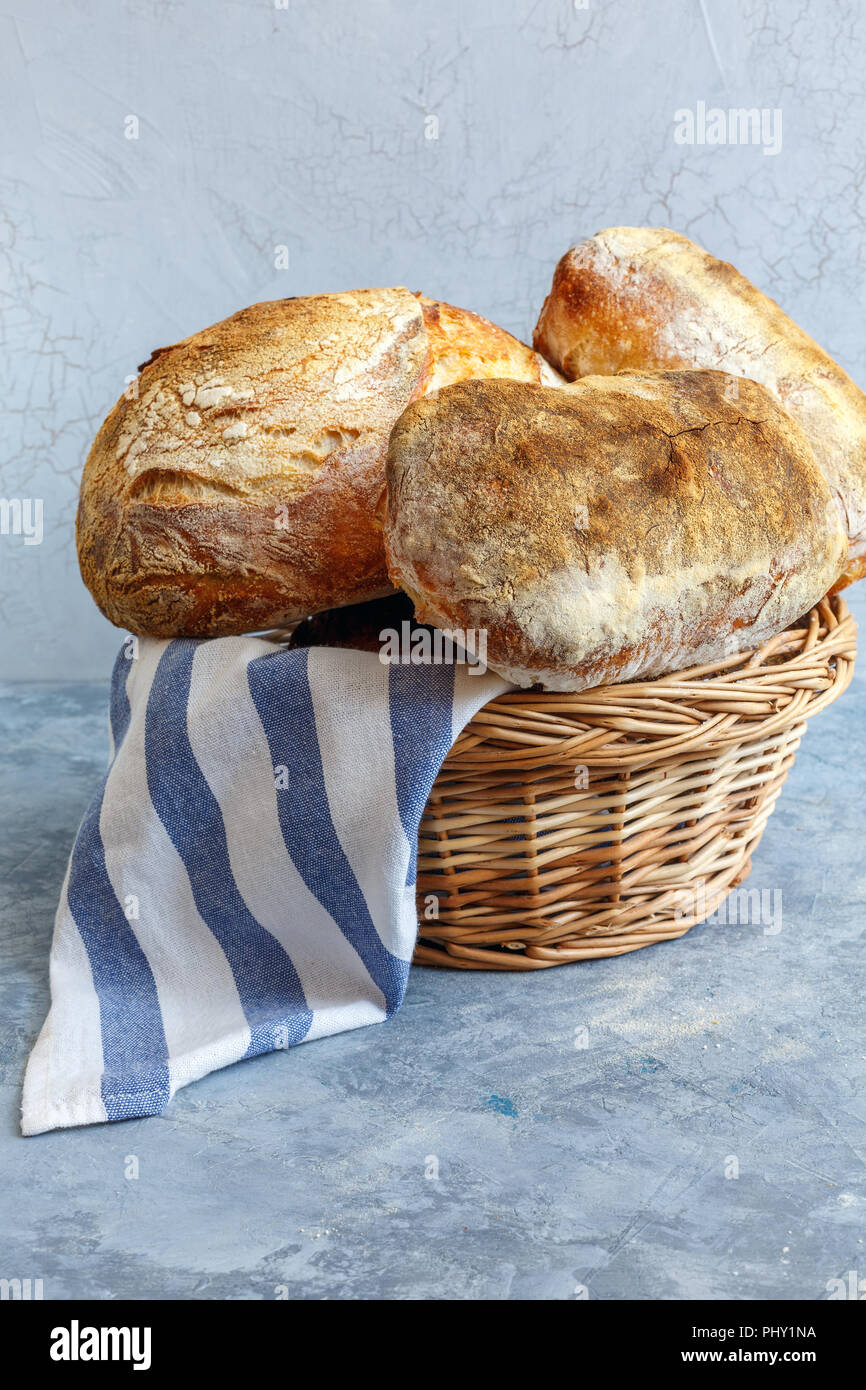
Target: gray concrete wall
<point x="309" y="127"/>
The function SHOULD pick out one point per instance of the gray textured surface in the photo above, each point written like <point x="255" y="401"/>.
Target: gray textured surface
<point x="304" y="127"/>
<point x="558" y="1166"/>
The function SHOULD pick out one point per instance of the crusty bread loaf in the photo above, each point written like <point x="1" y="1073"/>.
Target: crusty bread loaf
<point x="239" y="488"/>
<point x="638" y="297"/>
<point x="616" y="529"/>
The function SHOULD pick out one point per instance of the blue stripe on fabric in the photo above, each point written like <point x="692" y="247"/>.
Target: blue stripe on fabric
<point x="135" y="1079"/>
<point x="280" y="688"/>
<point x="119" y="711"/>
<point x="267" y="982"/>
<point x="420" y="703"/>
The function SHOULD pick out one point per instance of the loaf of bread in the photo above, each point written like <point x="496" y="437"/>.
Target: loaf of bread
<point x="617" y="529"/>
<point x="638" y="297"/>
<point x="236" y="486"/>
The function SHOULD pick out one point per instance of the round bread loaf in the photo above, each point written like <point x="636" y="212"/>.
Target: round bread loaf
<point x="639" y="297"/>
<point x="616" y="529"/>
<point x="235" y="487"/>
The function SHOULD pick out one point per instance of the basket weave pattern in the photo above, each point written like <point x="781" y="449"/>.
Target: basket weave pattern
<point x="567" y="827"/>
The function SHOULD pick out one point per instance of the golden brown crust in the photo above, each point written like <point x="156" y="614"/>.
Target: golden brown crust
<point x="646" y="297"/>
<point x="616" y="529"/>
<point x="239" y="489"/>
<point x="464" y="346"/>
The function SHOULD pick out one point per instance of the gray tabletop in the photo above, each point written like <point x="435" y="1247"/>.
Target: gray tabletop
<point x="707" y="1142"/>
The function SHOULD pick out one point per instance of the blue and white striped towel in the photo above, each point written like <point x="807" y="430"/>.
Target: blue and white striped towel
<point x="244" y="878"/>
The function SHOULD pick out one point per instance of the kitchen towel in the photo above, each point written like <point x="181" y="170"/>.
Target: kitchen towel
<point x="244" y="878"/>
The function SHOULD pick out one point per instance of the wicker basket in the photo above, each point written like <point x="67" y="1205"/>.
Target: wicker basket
<point x="567" y="827"/>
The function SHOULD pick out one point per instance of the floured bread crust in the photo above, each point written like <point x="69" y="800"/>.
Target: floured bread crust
<point x="646" y="297"/>
<point x="239" y="489"/>
<point x="617" y="529"/>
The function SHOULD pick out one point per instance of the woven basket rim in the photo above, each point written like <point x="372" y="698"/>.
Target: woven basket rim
<point x="754" y="692"/>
